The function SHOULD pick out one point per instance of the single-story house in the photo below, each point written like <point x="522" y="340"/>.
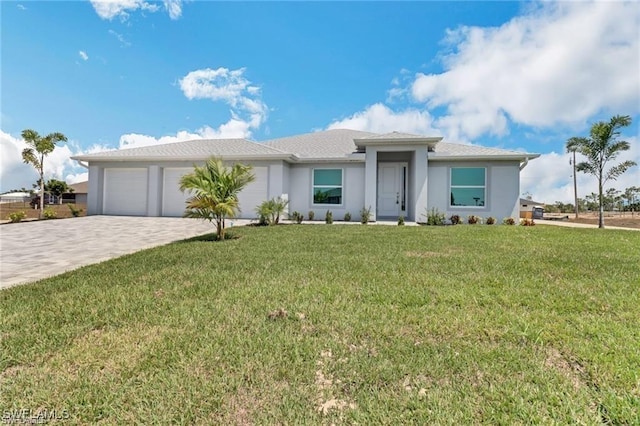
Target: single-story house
<point x="78" y="195"/>
<point x="395" y="174"/>
<point x="527" y="206"/>
<point x="16" y="197"/>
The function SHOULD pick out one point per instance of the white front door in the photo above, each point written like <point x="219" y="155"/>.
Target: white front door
<point x="392" y="189"/>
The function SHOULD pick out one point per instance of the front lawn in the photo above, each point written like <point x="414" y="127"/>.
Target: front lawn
<point x="337" y="324"/>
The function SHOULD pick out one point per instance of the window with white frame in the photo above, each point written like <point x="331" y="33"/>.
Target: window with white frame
<point x="468" y="186"/>
<point x="327" y="186"/>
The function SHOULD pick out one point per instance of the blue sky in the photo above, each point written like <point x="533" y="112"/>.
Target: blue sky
<point x="506" y="74"/>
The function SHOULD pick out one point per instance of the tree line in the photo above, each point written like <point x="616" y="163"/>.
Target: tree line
<point x="612" y="199"/>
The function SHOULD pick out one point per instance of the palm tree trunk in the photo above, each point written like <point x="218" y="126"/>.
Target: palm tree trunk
<point x="601" y="212"/>
<point x="575" y="184"/>
<point x="40" y="215"/>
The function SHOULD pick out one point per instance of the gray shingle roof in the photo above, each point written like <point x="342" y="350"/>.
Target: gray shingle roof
<point x="456" y="150"/>
<point x="335" y="143"/>
<point x="195" y="149"/>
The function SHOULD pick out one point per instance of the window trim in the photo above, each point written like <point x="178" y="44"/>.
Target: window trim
<point x="484" y="187"/>
<point x="313" y="186"/>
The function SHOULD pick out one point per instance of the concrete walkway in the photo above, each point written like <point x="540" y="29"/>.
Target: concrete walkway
<point x="34" y="250"/>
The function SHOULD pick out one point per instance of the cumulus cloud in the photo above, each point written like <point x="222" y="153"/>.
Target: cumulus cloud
<point x="83" y="55"/>
<point x="109" y="9"/>
<point x="379" y="118"/>
<point x="549" y="178"/>
<point x="231" y="87"/>
<point x="560" y="64"/>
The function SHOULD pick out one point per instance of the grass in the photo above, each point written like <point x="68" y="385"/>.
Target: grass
<point x="337" y="324"/>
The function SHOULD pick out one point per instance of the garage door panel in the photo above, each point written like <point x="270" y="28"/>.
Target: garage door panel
<point x="254" y="193"/>
<point x="125" y="192"/>
<point x="174" y="200"/>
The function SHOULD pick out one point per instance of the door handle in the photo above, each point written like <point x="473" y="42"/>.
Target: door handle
<point x="397" y="198"/>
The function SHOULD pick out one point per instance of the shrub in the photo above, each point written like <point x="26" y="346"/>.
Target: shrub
<point x="490" y="220"/>
<point x="311" y="214"/>
<point x="347" y="217"/>
<point x="49" y="213"/>
<point x="75" y="212"/>
<point x="17" y="216"/>
<point x="434" y="217"/>
<point x="527" y="222"/>
<point x="328" y="218"/>
<point x="297" y="217"/>
<point x="472" y="220"/>
<point x="269" y="211"/>
<point x="401" y="220"/>
<point x="455" y="219"/>
<point x="365" y="215"/>
<point x="508" y="221"/>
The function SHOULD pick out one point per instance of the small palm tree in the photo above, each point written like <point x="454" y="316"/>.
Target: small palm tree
<point x="599" y="148"/>
<point x="38" y="147"/>
<point x="215" y="188"/>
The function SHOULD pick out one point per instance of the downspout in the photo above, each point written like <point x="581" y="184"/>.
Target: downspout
<point x="524" y="164"/>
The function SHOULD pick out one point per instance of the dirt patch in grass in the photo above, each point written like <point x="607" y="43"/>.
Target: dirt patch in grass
<point x="568" y="367"/>
<point x="624" y="220"/>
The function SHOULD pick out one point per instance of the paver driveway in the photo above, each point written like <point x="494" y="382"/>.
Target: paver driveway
<point x="33" y="250"/>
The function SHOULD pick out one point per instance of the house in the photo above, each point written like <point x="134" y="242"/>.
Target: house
<point x="16" y="197"/>
<point x="78" y="194"/>
<point x="395" y="174"/>
<point x="527" y="207"/>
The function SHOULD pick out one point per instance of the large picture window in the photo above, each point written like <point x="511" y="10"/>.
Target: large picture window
<point x="468" y="186"/>
<point x="327" y="186"/>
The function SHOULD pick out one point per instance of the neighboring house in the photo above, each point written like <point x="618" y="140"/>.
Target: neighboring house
<point x="527" y="206"/>
<point x="79" y="194"/>
<point x="16" y="197"/>
<point x="339" y="170"/>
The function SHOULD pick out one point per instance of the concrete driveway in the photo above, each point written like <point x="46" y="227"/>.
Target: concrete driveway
<point x="30" y="251"/>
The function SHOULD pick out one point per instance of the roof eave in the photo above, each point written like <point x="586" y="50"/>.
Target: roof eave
<point x="286" y="157"/>
<point x="506" y="157"/>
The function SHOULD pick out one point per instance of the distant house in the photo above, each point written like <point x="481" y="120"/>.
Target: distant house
<point x="79" y="194"/>
<point x="394" y="174"/>
<point x="527" y="206"/>
<point x="15" y="197"/>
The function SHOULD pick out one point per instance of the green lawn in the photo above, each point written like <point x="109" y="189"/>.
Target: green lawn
<point x="338" y="324"/>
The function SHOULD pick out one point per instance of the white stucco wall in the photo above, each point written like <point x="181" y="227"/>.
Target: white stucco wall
<point x="301" y="191"/>
<point x="503" y="189"/>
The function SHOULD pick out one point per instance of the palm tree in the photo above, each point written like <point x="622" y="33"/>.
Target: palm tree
<point x="572" y="147"/>
<point x="38" y="147"/>
<point x="599" y="148"/>
<point x="215" y="188"/>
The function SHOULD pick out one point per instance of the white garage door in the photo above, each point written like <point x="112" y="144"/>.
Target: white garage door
<point x="255" y="193"/>
<point x="125" y="192"/>
<point x="173" y="200"/>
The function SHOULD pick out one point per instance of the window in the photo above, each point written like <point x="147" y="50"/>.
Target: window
<point x="468" y="186"/>
<point x="327" y="186"/>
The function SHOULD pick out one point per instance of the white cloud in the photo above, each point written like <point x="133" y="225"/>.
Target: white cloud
<point x="231" y="87"/>
<point x="21" y="7"/>
<point x="549" y="177"/>
<point x="121" y="39"/>
<point x="109" y="9"/>
<point x="560" y="64"/>
<point x="379" y="118"/>
<point x="83" y="55"/>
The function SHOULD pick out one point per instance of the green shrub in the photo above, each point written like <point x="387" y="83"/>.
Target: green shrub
<point x="527" y="222"/>
<point x="365" y="215"/>
<point x="311" y="214"/>
<point x="490" y="220"/>
<point x="49" y="213"/>
<point x="400" y="220"/>
<point x="269" y="211"/>
<point x="455" y="219"/>
<point x="434" y="217"/>
<point x="75" y="212"/>
<point x="508" y="221"/>
<point x="17" y="217"/>
<point x="347" y="217"/>
<point x="297" y="217"/>
<point x="472" y="219"/>
<point x="328" y="218"/>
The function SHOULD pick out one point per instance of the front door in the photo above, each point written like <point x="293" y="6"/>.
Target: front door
<point x="392" y="189"/>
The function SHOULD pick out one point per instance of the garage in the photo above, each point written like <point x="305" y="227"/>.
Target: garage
<point x="173" y="200"/>
<point x="125" y="191"/>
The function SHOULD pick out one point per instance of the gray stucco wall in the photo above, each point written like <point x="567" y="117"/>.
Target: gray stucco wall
<point x="502" y="191"/>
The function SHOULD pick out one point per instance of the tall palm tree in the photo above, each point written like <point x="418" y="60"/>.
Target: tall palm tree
<point x="599" y="148"/>
<point x="38" y="147"/>
<point x="572" y="147"/>
<point x="215" y="188"/>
